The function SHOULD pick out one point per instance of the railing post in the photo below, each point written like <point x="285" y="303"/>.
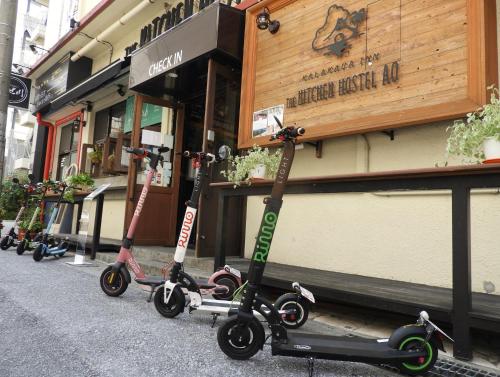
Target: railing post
<point x="220" y="253"/>
<point x="462" y="292"/>
<point x="97" y="226"/>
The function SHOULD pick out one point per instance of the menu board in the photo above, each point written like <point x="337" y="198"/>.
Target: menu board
<point x="52" y="83"/>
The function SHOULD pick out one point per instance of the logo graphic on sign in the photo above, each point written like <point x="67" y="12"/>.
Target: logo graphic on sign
<point x="340" y="27"/>
<point x="18" y="91"/>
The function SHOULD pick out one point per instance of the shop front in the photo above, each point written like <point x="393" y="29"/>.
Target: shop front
<point x="375" y="84"/>
<point x="192" y="75"/>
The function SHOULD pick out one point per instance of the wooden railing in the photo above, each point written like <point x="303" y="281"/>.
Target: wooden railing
<point x="459" y="180"/>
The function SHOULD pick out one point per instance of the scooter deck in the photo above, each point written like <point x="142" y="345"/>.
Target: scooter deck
<point x="373" y="351"/>
<point x="152" y="281"/>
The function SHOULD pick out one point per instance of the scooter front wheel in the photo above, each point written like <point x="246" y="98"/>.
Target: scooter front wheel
<point x="240" y="340"/>
<point x="21" y="247"/>
<point x="113" y="288"/>
<point x="175" y="304"/>
<point x="422" y="364"/>
<point x="299" y="306"/>
<point x="38" y="253"/>
<point x="6" y="242"/>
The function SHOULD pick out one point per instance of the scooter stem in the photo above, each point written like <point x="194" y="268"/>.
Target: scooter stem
<point x="266" y="229"/>
<point x="188" y="222"/>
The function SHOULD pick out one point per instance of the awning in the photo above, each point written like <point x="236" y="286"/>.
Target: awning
<point x="97" y="80"/>
<point x="216" y="30"/>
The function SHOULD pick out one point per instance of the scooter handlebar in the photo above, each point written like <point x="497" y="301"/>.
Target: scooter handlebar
<point x="288" y="133"/>
<point x="137" y="151"/>
<point x="199" y="155"/>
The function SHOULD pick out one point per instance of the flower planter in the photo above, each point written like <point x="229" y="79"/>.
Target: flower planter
<point x="491" y="150"/>
<point x="259" y="172"/>
<point x="20" y="234"/>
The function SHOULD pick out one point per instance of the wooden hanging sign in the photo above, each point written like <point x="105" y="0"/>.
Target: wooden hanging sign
<point x="338" y="67"/>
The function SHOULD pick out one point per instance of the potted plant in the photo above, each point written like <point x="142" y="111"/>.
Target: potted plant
<point x="25" y="223"/>
<point x="96" y="155"/>
<point x="79" y="182"/>
<point x="258" y="163"/>
<point x="478" y="137"/>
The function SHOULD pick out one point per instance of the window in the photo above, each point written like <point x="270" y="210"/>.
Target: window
<point x="68" y="148"/>
<point x="104" y="156"/>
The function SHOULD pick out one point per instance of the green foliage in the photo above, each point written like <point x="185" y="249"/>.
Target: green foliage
<point x="239" y="167"/>
<point x="11" y="199"/>
<point x="26" y="219"/>
<point x="96" y="155"/>
<point x="81" y="181"/>
<point x="466" y="138"/>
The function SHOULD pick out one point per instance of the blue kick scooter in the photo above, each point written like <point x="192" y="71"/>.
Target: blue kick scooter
<point x="43" y="249"/>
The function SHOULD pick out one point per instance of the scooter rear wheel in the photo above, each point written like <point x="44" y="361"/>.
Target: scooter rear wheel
<point x="290" y="301"/>
<point x="38" y="253"/>
<point x="174" y="306"/>
<point x="230" y="282"/>
<point x="424" y="364"/>
<point x="21" y="247"/>
<point x="6" y="242"/>
<point x="240" y="340"/>
<point x="118" y="287"/>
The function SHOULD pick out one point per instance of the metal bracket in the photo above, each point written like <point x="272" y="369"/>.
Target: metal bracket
<point x="318" y="145"/>
<point x="389" y="133"/>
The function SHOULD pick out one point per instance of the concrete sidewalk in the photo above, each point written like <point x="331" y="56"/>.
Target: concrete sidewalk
<point x="55" y="321"/>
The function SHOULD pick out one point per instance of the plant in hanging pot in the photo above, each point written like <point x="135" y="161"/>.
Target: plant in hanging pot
<point x="80" y="181"/>
<point x="478" y="137"/>
<point x="258" y="163"/>
<point x="96" y="155"/>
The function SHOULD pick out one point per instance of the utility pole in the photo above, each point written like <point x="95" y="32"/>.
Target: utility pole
<point x="8" y="14"/>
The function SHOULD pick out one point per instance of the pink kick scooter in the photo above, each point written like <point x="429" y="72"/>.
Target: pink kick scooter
<point x="116" y="278"/>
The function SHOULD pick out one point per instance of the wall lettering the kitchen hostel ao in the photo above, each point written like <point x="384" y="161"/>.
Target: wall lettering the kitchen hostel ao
<point x="169" y="19"/>
<point x="334" y="38"/>
<point x="368" y="80"/>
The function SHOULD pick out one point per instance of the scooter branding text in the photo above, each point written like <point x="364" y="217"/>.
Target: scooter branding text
<point x="187" y="226"/>
<point x="140" y="203"/>
<point x="266" y="234"/>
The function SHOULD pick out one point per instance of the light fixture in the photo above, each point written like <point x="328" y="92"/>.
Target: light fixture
<point x="73" y="24"/>
<point x="35" y="47"/>
<point x="173" y="75"/>
<point x="76" y="124"/>
<point x="264" y="21"/>
<point x="120" y="90"/>
<point x="19" y="68"/>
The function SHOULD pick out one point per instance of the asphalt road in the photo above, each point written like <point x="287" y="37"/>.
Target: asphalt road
<point x="56" y="321"/>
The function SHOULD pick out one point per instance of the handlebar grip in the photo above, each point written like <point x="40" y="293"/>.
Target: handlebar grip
<point x="298" y="132"/>
<point x="135" y="150"/>
<point x="163" y="149"/>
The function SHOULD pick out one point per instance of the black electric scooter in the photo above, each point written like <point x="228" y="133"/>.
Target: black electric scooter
<point x="182" y="290"/>
<point x="413" y="348"/>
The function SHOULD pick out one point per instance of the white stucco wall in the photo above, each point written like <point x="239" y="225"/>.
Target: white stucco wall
<point x="402" y="236"/>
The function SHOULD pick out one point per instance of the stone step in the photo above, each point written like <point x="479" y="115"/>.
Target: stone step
<point x="166" y="254"/>
<point x="153" y="267"/>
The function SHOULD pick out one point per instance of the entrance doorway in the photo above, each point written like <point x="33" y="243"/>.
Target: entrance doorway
<point x="156" y="122"/>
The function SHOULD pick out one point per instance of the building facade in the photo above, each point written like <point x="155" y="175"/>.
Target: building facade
<point x="375" y="84"/>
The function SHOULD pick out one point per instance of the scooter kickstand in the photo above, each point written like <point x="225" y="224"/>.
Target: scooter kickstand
<point x="150" y="297"/>
<point x="310" y="366"/>
<point x="214" y="318"/>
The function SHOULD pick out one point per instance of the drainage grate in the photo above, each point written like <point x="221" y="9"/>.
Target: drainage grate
<point x="450" y="368"/>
